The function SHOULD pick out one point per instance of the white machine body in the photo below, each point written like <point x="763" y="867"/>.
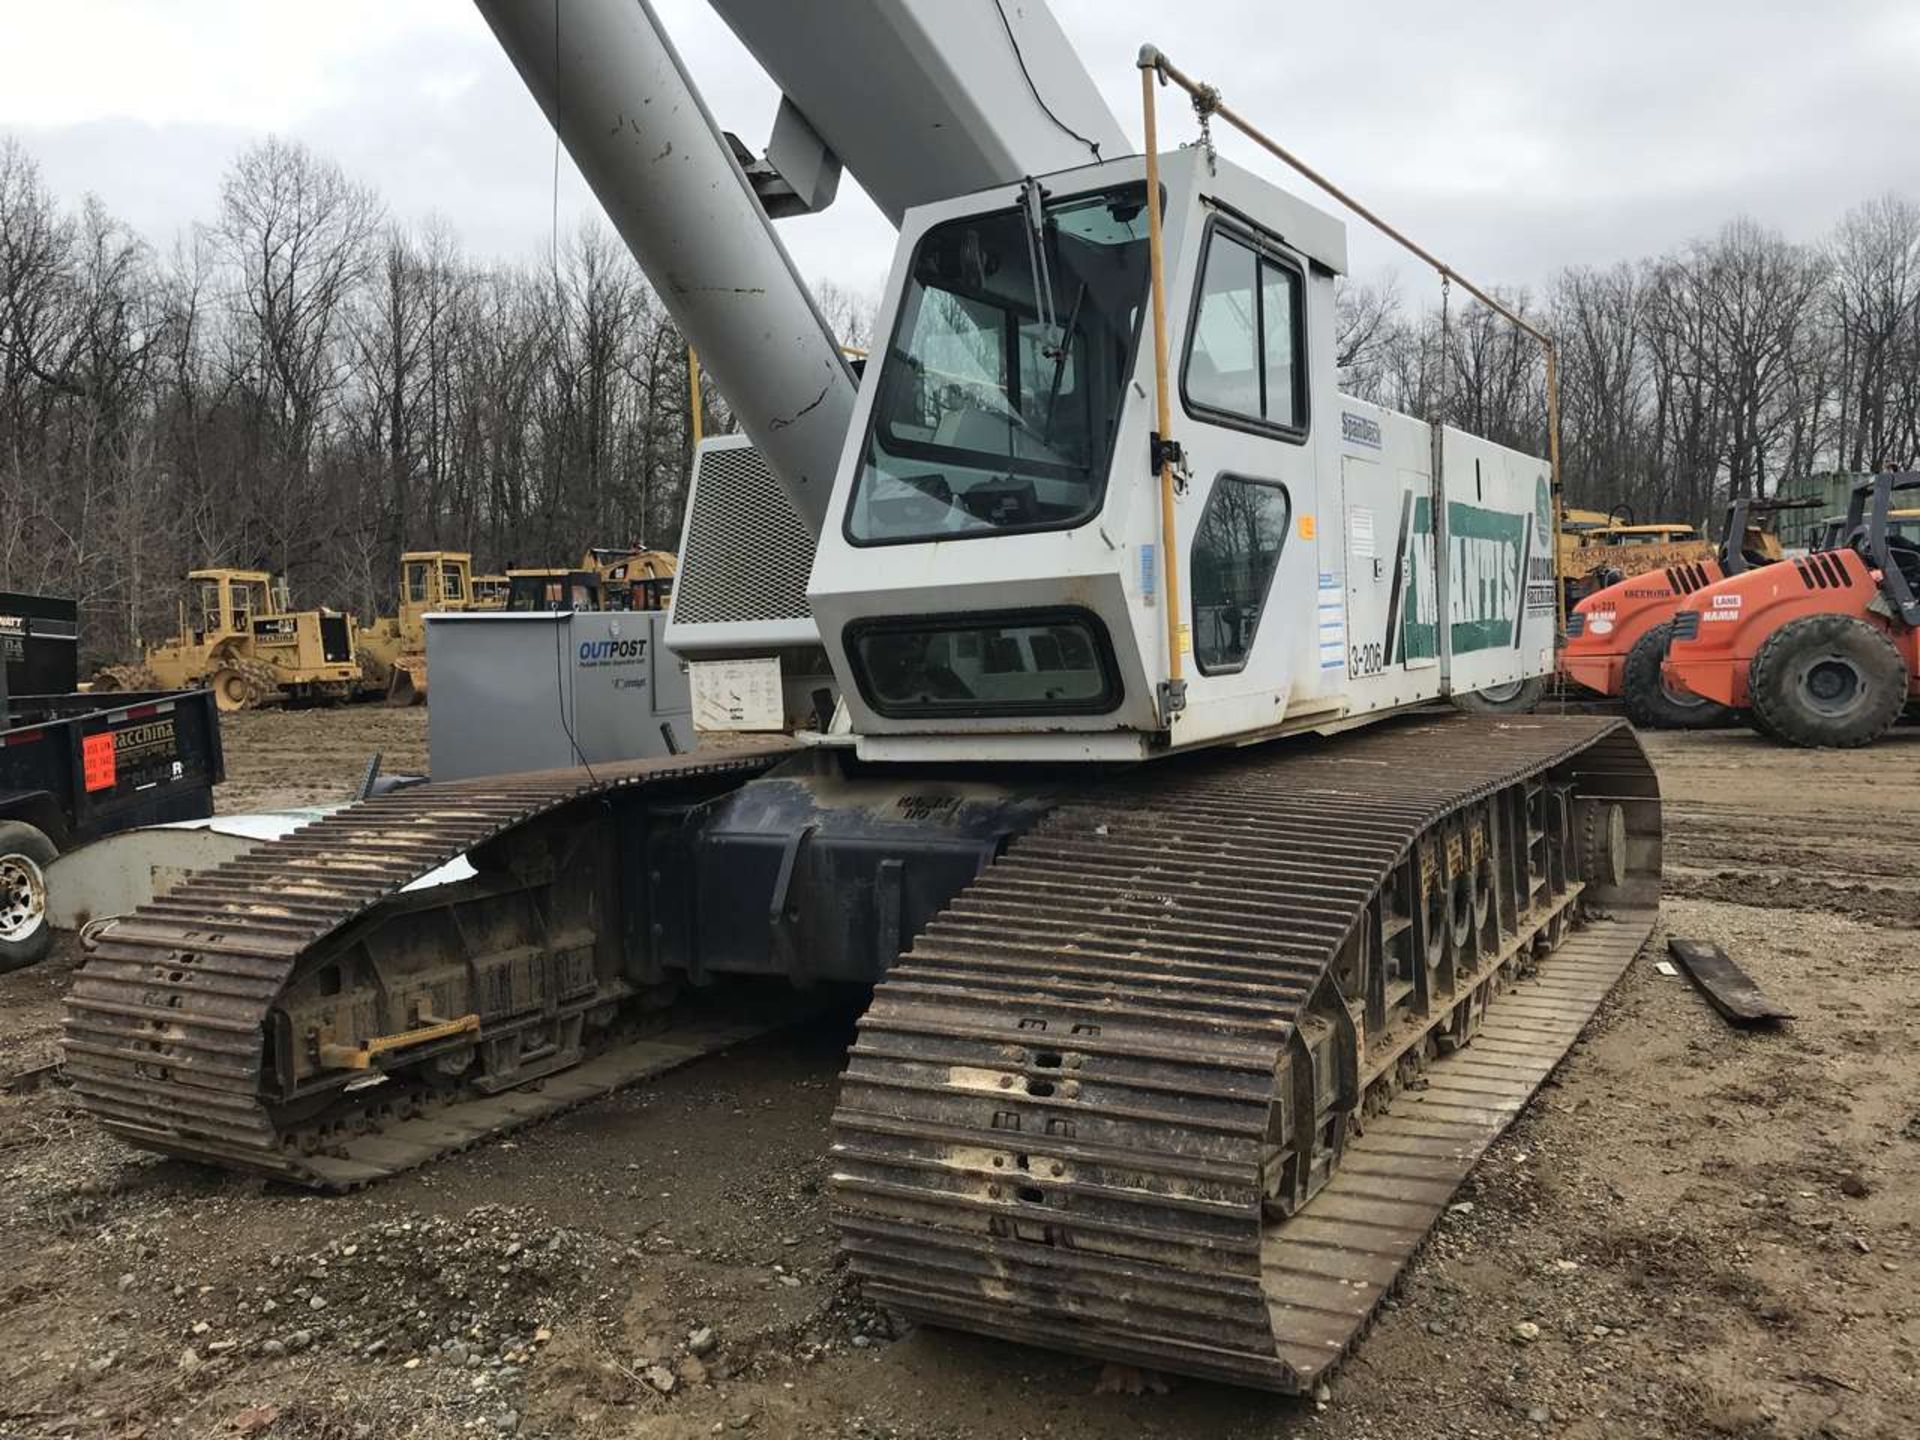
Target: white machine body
<point x="989" y="572"/>
<point x="987" y="579"/>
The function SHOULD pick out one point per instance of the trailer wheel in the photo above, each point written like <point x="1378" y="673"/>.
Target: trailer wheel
<point x="1516" y="697"/>
<point x="1827" y="682"/>
<point x="1655" y="705"/>
<point x="25" y="935"/>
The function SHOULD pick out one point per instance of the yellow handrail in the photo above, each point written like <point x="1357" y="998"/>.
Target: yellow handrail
<point x="693" y="394"/>
<point x="1163" y="405"/>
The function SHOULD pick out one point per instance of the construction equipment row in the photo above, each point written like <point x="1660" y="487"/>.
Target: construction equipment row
<point x="241" y="637"/>
<point x="1813" y="650"/>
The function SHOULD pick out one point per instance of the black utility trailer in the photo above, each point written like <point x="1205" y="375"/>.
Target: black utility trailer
<point x="40" y="644"/>
<point x="75" y="767"/>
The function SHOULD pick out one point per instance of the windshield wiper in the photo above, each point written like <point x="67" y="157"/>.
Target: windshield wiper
<point x="1033" y="207"/>
<point x="1059" y="355"/>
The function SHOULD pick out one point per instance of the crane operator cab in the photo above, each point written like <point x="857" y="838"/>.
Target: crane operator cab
<point x="991" y="566"/>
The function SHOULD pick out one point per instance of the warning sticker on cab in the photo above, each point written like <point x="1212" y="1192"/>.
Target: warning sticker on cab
<point x="96" y="762"/>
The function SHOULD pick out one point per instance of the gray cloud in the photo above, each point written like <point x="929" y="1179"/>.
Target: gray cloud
<point x="1513" y="138"/>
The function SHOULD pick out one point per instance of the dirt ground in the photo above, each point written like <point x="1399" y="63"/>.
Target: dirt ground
<point x="290" y="759"/>
<point x="1692" y="1232"/>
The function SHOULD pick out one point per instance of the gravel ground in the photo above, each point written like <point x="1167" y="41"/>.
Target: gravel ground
<point x="1692" y="1232"/>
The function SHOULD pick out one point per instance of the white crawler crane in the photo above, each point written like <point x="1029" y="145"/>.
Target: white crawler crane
<point x="1093" y="520"/>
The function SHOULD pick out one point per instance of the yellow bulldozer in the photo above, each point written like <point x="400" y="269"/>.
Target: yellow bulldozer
<point x="490" y="592"/>
<point x="244" y="641"/>
<point x="1599" y="548"/>
<point x="605" y="579"/>
<point x="393" y="649"/>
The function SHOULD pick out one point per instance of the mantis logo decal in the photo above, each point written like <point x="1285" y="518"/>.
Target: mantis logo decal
<point x="1498" y="570"/>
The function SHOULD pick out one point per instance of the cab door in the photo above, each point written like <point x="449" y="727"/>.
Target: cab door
<point x="1370" y="508"/>
<point x="1252" y="525"/>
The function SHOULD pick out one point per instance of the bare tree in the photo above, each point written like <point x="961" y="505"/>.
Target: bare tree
<point x="1366" y="318"/>
<point x="1495" y="382"/>
<point x="848" y="313"/>
<point x="1874" y="298"/>
<point x="297" y="234"/>
<point x="1596" y="318"/>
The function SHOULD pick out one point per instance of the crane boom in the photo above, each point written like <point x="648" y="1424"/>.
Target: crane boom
<point x="950" y="97"/>
<point x="969" y="100"/>
<point x="615" y="90"/>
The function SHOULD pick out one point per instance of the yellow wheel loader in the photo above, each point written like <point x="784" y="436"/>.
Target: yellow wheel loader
<point x="1598" y="553"/>
<point x="393" y="650"/>
<point x="244" y="641"/>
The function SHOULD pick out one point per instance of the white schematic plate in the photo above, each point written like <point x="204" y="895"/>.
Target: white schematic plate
<point x="737" y="694"/>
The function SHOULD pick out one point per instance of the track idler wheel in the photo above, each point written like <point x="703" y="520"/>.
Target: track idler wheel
<point x="1603" y="843"/>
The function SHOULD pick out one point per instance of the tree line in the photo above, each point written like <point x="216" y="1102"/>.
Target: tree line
<point x="1715" y="371"/>
<point x="303" y="384"/>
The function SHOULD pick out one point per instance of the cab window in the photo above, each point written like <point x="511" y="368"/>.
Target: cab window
<point x="1002" y="388"/>
<point x="247" y="603"/>
<point x="1244" y="348"/>
<point x="1236" y="549"/>
<point x="1024" y="662"/>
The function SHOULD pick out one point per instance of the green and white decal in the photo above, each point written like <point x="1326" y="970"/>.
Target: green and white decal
<point x="1491" y="566"/>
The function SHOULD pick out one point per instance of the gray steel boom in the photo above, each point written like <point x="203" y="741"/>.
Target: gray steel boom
<point x="629" y="114"/>
<point x="928" y="99"/>
<point x="921" y="99"/>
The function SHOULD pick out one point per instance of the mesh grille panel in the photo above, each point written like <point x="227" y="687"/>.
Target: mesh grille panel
<point x="747" y="554"/>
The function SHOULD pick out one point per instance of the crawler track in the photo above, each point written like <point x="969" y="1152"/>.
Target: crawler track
<point x="169" y="1024"/>
<point x="1181" y="1080"/>
<point x="1074" y="1114"/>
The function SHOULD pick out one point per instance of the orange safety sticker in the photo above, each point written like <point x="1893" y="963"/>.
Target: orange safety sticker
<point x="96" y="761"/>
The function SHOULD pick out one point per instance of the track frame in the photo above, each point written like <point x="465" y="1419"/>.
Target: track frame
<point x="1087" y="1114"/>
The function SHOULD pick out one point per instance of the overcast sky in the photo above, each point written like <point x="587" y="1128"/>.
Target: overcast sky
<point x="1512" y="138"/>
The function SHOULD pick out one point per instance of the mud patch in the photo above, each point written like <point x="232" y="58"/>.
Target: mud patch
<point x="1897" y="909"/>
